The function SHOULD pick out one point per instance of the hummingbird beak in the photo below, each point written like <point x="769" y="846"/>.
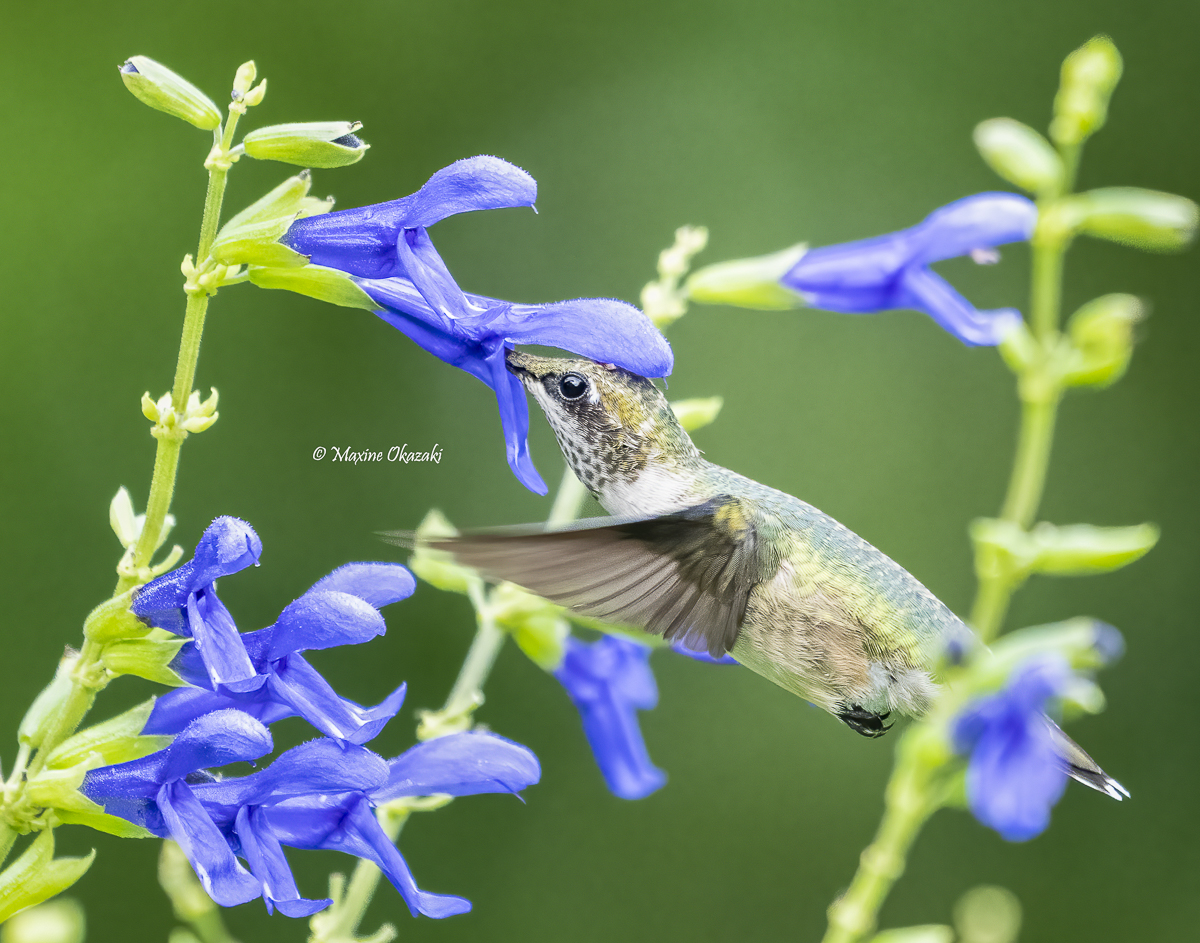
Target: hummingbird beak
<point x="519" y="364"/>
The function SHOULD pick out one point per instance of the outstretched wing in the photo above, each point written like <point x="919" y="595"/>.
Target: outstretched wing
<point x="685" y="576"/>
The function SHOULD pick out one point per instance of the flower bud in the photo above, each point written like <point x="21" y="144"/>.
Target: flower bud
<point x="246" y="74"/>
<point x="1144" y="219"/>
<point x="695" y="414"/>
<point x="1101" y="335"/>
<point x="1089" y="75"/>
<point x="748" y="283"/>
<point x="159" y="87"/>
<point x="1082" y="549"/>
<point x="1018" y="154"/>
<point x="59" y="921"/>
<point x="436" y="567"/>
<point x="314" y="144"/>
<point x="45" y="708"/>
<point x="316" y="281"/>
<point x="535" y="624"/>
<point x="122" y="519"/>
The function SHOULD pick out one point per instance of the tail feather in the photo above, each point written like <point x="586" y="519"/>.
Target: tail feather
<point x="1081" y="767"/>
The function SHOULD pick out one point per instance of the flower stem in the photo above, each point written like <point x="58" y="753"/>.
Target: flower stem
<point x="569" y="500"/>
<point x="8" y="835"/>
<point x="853" y="916"/>
<point x="340" y="923"/>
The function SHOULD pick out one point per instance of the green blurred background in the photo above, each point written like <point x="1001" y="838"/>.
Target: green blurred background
<point x="768" y="122"/>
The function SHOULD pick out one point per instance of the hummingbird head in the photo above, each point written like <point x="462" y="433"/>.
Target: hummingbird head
<point x="612" y="425"/>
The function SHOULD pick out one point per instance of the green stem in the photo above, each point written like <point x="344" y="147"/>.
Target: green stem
<point x="84" y="685"/>
<point x="467" y="693"/>
<point x="1032" y="460"/>
<point x="8" y="835"/>
<point x="854" y="915"/>
<point x="569" y="500"/>
<point x="352" y="906"/>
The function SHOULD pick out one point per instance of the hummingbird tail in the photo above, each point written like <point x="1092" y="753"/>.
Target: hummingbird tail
<point x="1081" y="767"/>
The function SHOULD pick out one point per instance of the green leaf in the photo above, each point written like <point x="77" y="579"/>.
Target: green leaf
<point x="1018" y="154"/>
<point x="1144" y="219"/>
<point x="37" y="876"/>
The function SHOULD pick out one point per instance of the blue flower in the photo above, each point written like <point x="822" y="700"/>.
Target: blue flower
<point x="387" y="249"/>
<point x="679" y="648"/>
<point x="316" y="795"/>
<point x="340" y="609"/>
<point x="893" y="271"/>
<point x="609" y="681"/>
<point x="185" y="602"/>
<point x="476" y="333"/>
<point x="1015" y="775"/>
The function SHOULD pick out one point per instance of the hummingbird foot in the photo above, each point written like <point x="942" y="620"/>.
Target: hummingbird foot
<point x="868" y="723"/>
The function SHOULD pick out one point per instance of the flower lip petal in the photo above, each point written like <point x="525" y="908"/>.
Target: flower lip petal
<point x="979" y="221"/>
<point x="265" y="856"/>
<point x="460" y="764"/>
<point x="473" y="183"/>
<point x="214" y="740"/>
<point x="295" y="682"/>
<point x="321" y="619"/>
<point x="225" y="880"/>
<point x="926" y="291"/>
<point x="379" y="584"/>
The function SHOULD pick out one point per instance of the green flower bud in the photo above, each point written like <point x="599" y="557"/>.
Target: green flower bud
<point x="1018" y="154"/>
<point x="536" y="625"/>
<point x="148" y="658"/>
<point x="314" y="144"/>
<point x="436" y="567"/>
<point x="112" y="620"/>
<point x="59" y="921"/>
<point x="46" y="706"/>
<point x="59" y="788"/>
<point x="316" y="281"/>
<point x="250" y="237"/>
<point x="37" y="876"/>
<point x="122" y="519"/>
<point x="988" y="915"/>
<point x="1101" y="334"/>
<point x="695" y="414"/>
<point x="1082" y="549"/>
<point x="748" y="283"/>
<point x="115" y="741"/>
<point x="159" y="87"/>
<point x="246" y="74"/>
<point x="1089" y="75"/>
<point x="1144" y="219"/>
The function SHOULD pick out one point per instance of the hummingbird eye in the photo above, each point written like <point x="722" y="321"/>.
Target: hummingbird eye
<point x="572" y="386"/>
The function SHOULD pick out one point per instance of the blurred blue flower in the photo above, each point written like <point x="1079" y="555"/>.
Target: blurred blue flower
<point x="1015" y="775"/>
<point x="185" y="602"/>
<point x="893" y="271"/>
<point x="340" y="609"/>
<point x="475" y="332"/>
<point x="316" y="795"/>
<point x="387" y="249"/>
<point x="609" y="681"/>
<point x="680" y="649"/>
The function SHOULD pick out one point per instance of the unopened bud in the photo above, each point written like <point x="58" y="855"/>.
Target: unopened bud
<point x="749" y="283"/>
<point x="159" y="87"/>
<point x="695" y="414"/>
<point x="1089" y="75"/>
<point x="46" y="706"/>
<point x="122" y="519"/>
<point x="1018" y="154"/>
<point x="315" y="144"/>
<point x="246" y="74"/>
<point x="1101" y="334"/>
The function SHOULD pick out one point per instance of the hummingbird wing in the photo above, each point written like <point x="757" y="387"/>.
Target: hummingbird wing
<point x="685" y="576"/>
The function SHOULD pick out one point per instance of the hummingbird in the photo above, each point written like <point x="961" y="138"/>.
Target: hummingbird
<point x="717" y="562"/>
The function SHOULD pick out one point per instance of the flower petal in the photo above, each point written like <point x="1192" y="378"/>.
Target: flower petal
<point x="321" y="619"/>
<point x="176" y="709"/>
<point x="681" y="649"/>
<point x="225" y="880"/>
<point x="362" y="241"/>
<point x="927" y="291"/>
<point x="212" y="741"/>
<point x="295" y="682"/>
<point x="608" y="681"/>
<point x="460" y="764"/>
<point x="227" y="546"/>
<point x="853" y="277"/>
<point x="265" y="855"/>
<point x="426" y="270"/>
<point x="974" y="222"/>
<point x="216" y="638"/>
<point x="514" y="421"/>
<point x="379" y="584"/>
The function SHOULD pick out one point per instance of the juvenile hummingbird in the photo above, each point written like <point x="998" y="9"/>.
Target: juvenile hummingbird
<point x="706" y="557"/>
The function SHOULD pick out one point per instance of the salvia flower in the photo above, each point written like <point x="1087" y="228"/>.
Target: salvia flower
<point x="317" y="795"/>
<point x="340" y="609"/>
<point x="387" y="249"/>
<point x="679" y="648"/>
<point x="1015" y="775"/>
<point x="476" y="337"/>
<point x="185" y="602"/>
<point x="610" y="680"/>
<point x="893" y="271"/>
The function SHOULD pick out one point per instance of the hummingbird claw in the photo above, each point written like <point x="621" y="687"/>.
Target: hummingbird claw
<point x="868" y="723"/>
